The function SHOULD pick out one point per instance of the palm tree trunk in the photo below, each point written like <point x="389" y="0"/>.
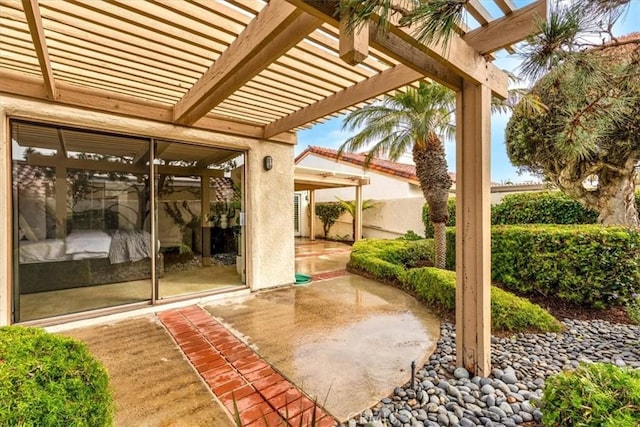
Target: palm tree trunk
<point x="440" y="242"/>
<point x="433" y="175"/>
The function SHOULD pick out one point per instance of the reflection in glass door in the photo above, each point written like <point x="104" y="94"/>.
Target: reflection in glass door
<point x="199" y="204"/>
<point x="81" y="220"/>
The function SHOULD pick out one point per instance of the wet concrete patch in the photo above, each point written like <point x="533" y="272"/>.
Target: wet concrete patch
<point x="152" y="383"/>
<point x="347" y="341"/>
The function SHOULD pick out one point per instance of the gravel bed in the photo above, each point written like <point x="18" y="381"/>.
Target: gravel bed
<point x="444" y="395"/>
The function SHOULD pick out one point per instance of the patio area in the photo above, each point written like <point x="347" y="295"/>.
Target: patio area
<point x="342" y="341"/>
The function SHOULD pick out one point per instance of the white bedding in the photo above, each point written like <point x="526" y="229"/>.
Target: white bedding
<point x="82" y="244"/>
<point x="43" y="251"/>
<point x="85" y="244"/>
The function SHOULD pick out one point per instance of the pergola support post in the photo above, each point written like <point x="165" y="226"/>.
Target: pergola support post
<point x="357" y="217"/>
<point x="312" y="215"/>
<point x="473" y="229"/>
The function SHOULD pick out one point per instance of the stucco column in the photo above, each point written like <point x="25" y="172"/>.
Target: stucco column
<point x="357" y="217"/>
<point x="473" y="229"/>
<point x="312" y="215"/>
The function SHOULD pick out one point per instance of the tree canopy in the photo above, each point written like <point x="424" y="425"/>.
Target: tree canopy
<point x="586" y="139"/>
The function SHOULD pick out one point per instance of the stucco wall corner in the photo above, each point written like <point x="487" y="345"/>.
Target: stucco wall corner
<point x="272" y="252"/>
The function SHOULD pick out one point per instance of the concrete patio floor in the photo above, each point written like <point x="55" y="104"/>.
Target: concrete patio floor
<point x="344" y="340"/>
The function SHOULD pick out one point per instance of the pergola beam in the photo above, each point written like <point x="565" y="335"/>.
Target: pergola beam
<point x="437" y="62"/>
<point x="507" y="30"/>
<point x="388" y="80"/>
<point x="354" y="42"/>
<point x="34" y="21"/>
<point x="96" y="99"/>
<point x="278" y="27"/>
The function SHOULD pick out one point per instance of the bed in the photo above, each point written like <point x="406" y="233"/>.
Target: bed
<point x="84" y="258"/>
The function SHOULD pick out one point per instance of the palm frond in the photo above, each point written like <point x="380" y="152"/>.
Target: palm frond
<point x="360" y="11"/>
<point x="393" y="126"/>
<point x="435" y="21"/>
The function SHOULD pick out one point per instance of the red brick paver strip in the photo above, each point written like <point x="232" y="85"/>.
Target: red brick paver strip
<point x="239" y="377"/>
<point x="328" y="275"/>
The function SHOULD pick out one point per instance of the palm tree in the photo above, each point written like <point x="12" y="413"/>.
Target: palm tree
<point x="350" y="207"/>
<point x="417" y="119"/>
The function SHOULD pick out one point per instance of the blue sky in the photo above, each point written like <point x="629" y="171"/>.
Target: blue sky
<point x="331" y="135"/>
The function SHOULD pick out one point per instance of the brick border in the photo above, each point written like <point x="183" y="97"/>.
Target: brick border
<point x="233" y="371"/>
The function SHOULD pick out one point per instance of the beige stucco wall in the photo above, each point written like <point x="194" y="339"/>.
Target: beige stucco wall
<point x="394" y="217"/>
<point x="270" y="210"/>
<point x="269" y="214"/>
<point x="391" y="218"/>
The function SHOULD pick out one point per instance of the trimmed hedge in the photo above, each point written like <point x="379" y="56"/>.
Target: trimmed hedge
<point x="508" y="312"/>
<point x="594" y="395"/>
<point x="388" y="259"/>
<point x="391" y="261"/>
<point x="541" y="208"/>
<point x="585" y="264"/>
<point x="51" y="380"/>
<point x="545" y="207"/>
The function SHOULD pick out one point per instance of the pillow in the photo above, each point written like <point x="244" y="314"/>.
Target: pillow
<point x="81" y="241"/>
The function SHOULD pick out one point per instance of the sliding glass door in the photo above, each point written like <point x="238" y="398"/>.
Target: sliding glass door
<point x="81" y="220"/>
<point x="199" y="193"/>
<point x="93" y="211"/>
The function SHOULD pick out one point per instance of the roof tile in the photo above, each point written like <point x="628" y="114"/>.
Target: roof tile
<point x="403" y="170"/>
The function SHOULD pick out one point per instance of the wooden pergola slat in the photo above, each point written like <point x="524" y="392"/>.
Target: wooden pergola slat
<point x="384" y="82"/>
<point x="277" y="28"/>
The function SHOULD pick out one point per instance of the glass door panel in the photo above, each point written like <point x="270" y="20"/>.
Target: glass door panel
<point x="198" y="205"/>
<point x="81" y="223"/>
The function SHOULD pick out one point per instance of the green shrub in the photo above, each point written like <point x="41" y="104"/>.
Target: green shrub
<point x="541" y="208"/>
<point x="426" y="218"/>
<point x="508" y="312"/>
<point x="593" y="395"/>
<point x="584" y="264"/>
<point x="387" y="259"/>
<point x="50" y="380"/>
<point x="329" y="212"/>
<point x="392" y="261"/>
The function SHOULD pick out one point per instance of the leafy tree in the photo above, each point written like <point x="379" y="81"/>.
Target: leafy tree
<point x="350" y="208"/>
<point x="416" y="119"/>
<point x="586" y="140"/>
<point x="328" y="212"/>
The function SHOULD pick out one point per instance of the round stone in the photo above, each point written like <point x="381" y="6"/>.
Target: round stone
<point x="461" y="373"/>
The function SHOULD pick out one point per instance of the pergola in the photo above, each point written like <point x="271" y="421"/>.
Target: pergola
<point x="311" y="179"/>
<point x="263" y="70"/>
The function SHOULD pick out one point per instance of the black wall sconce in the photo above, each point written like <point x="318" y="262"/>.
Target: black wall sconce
<point x="267" y="162"/>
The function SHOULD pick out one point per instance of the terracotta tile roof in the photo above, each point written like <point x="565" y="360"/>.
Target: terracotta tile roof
<point x="388" y="167"/>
